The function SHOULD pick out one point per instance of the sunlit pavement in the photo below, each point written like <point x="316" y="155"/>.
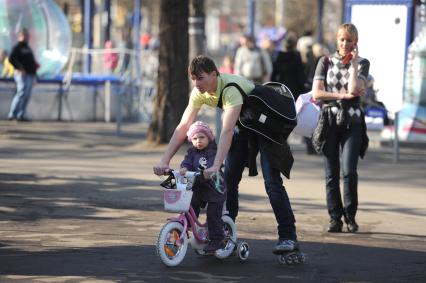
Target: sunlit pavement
<point x="80" y="204"/>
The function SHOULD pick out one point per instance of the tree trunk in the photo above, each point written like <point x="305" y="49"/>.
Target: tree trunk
<point x="197" y="37"/>
<point x="172" y="82"/>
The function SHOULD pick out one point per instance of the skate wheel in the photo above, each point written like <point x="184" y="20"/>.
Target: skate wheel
<point x="286" y="259"/>
<point x="301" y="258"/>
<point x="291" y="258"/>
<point x="243" y="251"/>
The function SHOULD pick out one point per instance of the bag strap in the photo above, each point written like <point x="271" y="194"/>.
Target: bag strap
<point x="326" y="62"/>
<point x="326" y="65"/>
<point x="220" y="102"/>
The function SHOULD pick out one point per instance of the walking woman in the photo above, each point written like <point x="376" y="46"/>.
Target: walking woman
<point x="339" y="82"/>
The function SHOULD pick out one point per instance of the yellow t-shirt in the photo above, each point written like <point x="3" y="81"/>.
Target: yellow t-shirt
<point x="231" y="97"/>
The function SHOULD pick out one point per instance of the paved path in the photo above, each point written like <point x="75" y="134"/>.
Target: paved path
<point x="79" y="204"/>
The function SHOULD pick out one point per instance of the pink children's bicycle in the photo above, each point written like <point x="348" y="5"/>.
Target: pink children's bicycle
<point x="172" y="243"/>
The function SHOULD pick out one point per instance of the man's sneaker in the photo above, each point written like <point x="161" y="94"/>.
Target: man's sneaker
<point x="213" y="246"/>
<point x="335" y="226"/>
<point x="285" y="245"/>
<point x="352" y="226"/>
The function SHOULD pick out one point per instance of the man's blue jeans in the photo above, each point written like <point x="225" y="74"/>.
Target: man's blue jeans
<point x="349" y="140"/>
<point x="235" y="163"/>
<point x="24" y="84"/>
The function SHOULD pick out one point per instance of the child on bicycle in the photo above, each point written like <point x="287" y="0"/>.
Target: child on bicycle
<point x="200" y="156"/>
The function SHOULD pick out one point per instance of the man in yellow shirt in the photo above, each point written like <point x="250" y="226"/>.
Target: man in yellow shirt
<point x="233" y="144"/>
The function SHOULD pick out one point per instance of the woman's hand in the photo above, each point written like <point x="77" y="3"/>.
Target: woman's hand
<point x="350" y="95"/>
<point x="359" y="92"/>
<point x="355" y="52"/>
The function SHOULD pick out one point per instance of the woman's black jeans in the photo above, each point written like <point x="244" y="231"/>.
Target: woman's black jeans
<point x="235" y="163"/>
<point x="348" y="140"/>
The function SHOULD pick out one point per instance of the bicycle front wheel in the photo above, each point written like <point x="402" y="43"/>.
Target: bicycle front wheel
<point x="169" y="249"/>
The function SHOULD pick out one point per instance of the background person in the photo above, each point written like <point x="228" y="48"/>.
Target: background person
<point x="314" y="53"/>
<point x="110" y="57"/>
<point x="339" y="85"/>
<point x="227" y="66"/>
<point x="288" y="67"/>
<point x="252" y="62"/>
<point x="22" y="59"/>
<point x="270" y="47"/>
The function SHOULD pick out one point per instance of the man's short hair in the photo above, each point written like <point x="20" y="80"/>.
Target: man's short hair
<point x="201" y="64"/>
<point x="23" y="31"/>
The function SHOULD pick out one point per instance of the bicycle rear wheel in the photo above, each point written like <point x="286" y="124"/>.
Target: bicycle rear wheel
<point x="230" y="232"/>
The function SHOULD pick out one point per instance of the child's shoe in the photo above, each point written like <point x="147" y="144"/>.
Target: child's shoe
<point x="213" y="246"/>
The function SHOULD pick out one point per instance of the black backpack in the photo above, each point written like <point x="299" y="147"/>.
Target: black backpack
<point x="268" y="110"/>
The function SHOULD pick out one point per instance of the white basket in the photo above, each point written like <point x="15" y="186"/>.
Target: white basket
<point x="177" y="200"/>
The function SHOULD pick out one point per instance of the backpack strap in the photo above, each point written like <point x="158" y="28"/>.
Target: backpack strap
<point x="220" y="102"/>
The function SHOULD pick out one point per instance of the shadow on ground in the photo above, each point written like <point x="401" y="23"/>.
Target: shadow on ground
<point x="325" y="263"/>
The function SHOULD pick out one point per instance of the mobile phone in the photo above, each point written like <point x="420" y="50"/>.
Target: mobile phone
<point x="347" y="59"/>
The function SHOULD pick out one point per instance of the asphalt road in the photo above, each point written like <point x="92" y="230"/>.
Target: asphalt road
<point x="79" y="204"/>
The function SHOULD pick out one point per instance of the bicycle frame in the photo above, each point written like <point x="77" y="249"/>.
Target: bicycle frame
<point x="189" y="218"/>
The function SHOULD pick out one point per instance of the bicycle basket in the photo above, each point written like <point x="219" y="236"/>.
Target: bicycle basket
<point x="177" y="200"/>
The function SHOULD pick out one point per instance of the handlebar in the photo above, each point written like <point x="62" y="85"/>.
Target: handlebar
<point x="188" y="174"/>
<point x="178" y="181"/>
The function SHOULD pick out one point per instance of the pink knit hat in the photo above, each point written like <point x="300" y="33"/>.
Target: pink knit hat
<point x="197" y="127"/>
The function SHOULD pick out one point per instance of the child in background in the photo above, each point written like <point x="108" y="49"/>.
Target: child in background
<point x="227" y="66"/>
<point x="200" y="156"/>
<point x="110" y="57"/>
